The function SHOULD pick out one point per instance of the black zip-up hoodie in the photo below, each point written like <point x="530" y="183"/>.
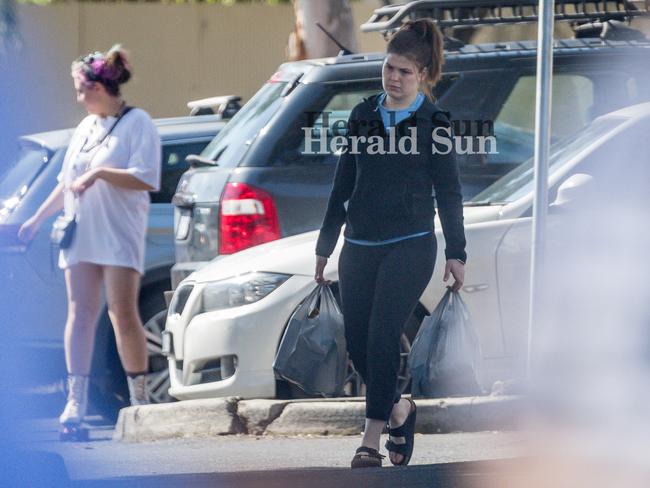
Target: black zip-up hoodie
<point x="389" y="195"/>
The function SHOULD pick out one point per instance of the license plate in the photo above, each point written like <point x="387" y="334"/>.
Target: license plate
<point x="183" y="229"/>
<point x="166" y="343"/>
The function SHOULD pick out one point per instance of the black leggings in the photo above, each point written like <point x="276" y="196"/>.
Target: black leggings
<point x="380" y="287"/>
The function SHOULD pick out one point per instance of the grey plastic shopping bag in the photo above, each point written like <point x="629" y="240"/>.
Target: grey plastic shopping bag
<point x="445" y="354"/>
<point x="312" y="353"/>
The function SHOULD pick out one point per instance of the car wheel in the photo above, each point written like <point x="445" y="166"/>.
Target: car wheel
<point x="158" y="378"/>
<point x="154" y="313"/>
<point x="354" y="385"/>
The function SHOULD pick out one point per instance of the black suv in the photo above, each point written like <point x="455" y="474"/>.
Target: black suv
<point x="254" y="183"/>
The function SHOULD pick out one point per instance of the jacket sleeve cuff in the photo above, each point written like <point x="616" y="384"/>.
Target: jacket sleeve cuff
<point x="324" y="248"/>
<point x="323" y="254"/>
<point x="458" y="255"/>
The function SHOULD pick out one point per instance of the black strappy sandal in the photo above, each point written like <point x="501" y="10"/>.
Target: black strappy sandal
<point x="407" y="431"/>
<point x="367" y="457"/>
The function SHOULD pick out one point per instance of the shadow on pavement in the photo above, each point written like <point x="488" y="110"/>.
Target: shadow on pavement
<point x="33" y="468"/>
<point x="449" y="475"/>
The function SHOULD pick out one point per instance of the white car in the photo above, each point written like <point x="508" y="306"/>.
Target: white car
<point x="226" y="320"/>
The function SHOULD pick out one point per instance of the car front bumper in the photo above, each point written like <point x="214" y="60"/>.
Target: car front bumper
<point x="230" y="352"/>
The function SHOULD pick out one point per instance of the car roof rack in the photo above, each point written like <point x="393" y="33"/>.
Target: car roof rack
<point x="457" y="13"/>
<point x="224" y="106"/>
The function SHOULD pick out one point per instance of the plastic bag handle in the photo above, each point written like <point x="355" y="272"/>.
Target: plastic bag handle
<point x="328" y="300"/>
<point x="455" y="296"/>
<point x="449" y="296"/>
<point x="312" y="300"/>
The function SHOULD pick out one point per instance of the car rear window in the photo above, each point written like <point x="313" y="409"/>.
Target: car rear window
<point x="22" y="172"/>
<point x="232" y="142"/>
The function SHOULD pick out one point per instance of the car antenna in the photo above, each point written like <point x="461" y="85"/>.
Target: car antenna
<point x="344" y="51"/>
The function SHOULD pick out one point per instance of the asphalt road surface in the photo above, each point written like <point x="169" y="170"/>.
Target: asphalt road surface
<point x="484" y="459"/>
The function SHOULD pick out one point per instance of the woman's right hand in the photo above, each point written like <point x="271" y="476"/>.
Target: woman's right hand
<point x="29" y="229"/>
<point x="321" y="262"/>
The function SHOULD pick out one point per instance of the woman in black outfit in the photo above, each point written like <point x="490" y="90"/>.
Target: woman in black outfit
<point x="390" y="246"/>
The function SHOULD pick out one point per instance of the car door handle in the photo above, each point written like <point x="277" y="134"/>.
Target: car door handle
<point x="475" y="288"/>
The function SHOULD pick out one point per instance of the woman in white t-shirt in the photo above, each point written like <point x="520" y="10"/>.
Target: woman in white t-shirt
<point x="111" y="164"/>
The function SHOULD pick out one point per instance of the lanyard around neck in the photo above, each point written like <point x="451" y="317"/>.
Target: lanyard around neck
<point x="123" y="112"/>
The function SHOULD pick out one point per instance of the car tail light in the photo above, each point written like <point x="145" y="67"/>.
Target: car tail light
<point x="247" y="217"/>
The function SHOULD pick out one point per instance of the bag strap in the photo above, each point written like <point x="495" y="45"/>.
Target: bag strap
<point x="125" y="111"/>
<point x="121" y="115"/>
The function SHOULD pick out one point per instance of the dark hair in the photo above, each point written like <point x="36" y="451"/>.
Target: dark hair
<point x="421" y="42"/>
<point x="111" y="69"/>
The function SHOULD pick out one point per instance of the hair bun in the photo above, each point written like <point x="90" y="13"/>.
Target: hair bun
<point x="118" y="68"/>
<point x="422" y="27"/>
<point x="111" y="69"/>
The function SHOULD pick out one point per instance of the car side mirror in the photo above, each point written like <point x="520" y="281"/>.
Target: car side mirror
<point x="572" y="190"/>
<point x="196" y="161"/>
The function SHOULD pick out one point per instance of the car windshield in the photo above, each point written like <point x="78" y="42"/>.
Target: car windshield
<point x="228" y="147"/>
<point x="520" y="181"/>
<point x="15" y="182"/>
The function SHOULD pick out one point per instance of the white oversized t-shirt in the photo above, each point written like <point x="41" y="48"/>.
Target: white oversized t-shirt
<point x="111" y="221"/>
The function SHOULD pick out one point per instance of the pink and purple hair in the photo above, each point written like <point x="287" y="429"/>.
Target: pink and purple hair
<point x="111" y="69"/>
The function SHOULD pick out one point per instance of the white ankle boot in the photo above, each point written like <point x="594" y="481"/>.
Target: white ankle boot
<point x="138" y="389"/>
<point x="77" y="403"/>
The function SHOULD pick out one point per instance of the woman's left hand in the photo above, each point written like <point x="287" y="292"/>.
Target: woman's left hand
<point x="457" y="270"/>
<point x="85" y="181"/>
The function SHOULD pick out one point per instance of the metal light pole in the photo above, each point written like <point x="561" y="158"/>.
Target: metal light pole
<point x="542" y="142"/>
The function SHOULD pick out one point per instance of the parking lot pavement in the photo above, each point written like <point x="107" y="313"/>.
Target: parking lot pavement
<point x="246" y="460"/>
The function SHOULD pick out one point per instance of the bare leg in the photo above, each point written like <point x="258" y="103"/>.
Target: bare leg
<point x="84" y="287"/>
<point x="372" y="433"/>
<point x="122" y="289"/>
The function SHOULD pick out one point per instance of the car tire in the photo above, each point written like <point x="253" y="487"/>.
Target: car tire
<point x="153" y="311"/>
<point x="354" y="385"/>
<point x="158" y="381"/>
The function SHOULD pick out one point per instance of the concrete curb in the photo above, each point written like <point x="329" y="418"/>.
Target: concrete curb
<point x="191" y="418"/>
<point x="219" y="416"/>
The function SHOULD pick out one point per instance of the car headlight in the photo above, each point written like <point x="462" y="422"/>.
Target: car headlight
<point x="239" y="290"/>
<point x="7" y="206"/>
